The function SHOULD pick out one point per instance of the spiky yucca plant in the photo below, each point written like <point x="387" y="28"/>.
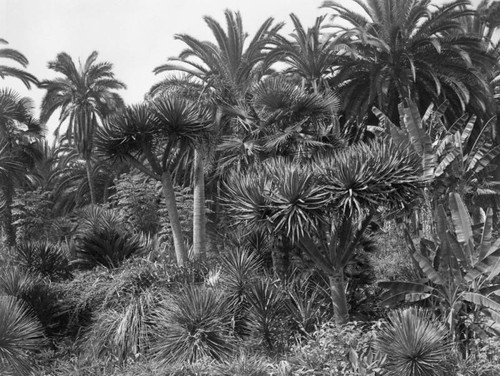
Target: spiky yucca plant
<point x="196" y="326"/>
<point x="414" y="344"/>
<point x="45" y="258"/>
<point x="20" y="332"/>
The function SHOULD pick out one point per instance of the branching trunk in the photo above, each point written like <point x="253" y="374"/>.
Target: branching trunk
<point x="199" y="220"/>
<point x="337" y="289"/>
<point x="173" y="215"/>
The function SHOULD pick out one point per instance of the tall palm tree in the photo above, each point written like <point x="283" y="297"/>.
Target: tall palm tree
<point x="309" y="54"/>
<point x="18" y="134"/>
<point x="227" y="65"/>
<point x="8" y="71"/>
<point x="404" y="49"/>
<point x="153" y="137"/>
<point x="85" y="96"/>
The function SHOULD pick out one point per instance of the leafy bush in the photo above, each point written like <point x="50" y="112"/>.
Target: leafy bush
<point x="414" y="344"/>
<point x="333" y="350"/>
<point x="195" y="326"/>
<point x="20" y="332"/>
<point x="44" y="258"/>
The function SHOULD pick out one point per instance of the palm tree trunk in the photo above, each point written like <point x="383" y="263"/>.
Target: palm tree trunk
<point x="173" y="216"/>
<point x="88" y="168"/>
<point x="199" y="220"/>
<point x="8" y="226"/>
<point x="337" y="289"/>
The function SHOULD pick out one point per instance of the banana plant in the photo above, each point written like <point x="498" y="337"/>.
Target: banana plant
<point x="460" y="269"/>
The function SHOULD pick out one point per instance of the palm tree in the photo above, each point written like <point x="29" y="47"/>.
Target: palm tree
<point x="85" y="96"/>
<point x="402" y="50"/>
<point x="153" y="137"/>
<point x="309" y="55"/>
<point x="18" y="134"/>
<point x="226" y="66"/>
<point x="7" y="71"/>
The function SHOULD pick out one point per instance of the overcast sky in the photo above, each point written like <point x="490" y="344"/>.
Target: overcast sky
<point x="134" y="35"/>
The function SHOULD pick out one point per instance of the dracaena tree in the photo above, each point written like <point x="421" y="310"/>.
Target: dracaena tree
<point x="153" y="137"/>
<point x="325" y="207"/>
<point x="85" y="96"/>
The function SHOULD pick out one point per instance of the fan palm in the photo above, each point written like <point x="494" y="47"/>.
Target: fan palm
<point x="403" y="49"/>
<point x="152" y="138"/>
<point x="227" y="66"/>
<point x="85" y="96"/>
<point x="16" y="56"/>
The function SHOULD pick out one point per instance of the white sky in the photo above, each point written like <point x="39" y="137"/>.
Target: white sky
<point x="134" y="35"/>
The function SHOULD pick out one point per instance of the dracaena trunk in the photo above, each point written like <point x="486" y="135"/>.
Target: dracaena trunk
<point x="199" y="220"/>
<point x="173" y="216"/>
<point x="337" y="290"/>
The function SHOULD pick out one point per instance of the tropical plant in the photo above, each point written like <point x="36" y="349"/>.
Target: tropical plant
<point x="159" y="133"/>
<point x="18" y="132"/>
<point x="102" y="239"/>
<point x="309" y="54"/>
<point x="20" y="333"/>
<point x="226" y="66"/>
<point x="326" y="207"/>
<point x="195" y="326"/>
<point x="86" y="96"/>
<point x="414" y="344"/>
<point x="16" y="56"/>
<point x="402" y="50"/>
<point x="458" y="271"/>
<point x="266" y="311"/>
<point x="43" y="258"/>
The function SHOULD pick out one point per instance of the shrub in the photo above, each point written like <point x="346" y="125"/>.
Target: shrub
<point x="122" y="333"/>
<point x="195" y="326"/>
<point x="44" y="258"/>
<point x="103" y="240"/>
<point x="266" y="311"/>
<point x="19" y="332"/>
<point x="39" y="295"/>
<point x="413" y="343"/>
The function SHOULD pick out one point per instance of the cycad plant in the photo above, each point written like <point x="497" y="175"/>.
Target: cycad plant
<point x="44" y="258"/>
<point x="195" y="325"/>
<point x="20" y="332"/>
<point x="414" y="344"/>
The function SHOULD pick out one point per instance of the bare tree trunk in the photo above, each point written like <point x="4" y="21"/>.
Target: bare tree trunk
<point x="88" y="168"/>
<point x="173" y="216"/>
<point x="337" y="288"/>
<point x="199" y="220"/>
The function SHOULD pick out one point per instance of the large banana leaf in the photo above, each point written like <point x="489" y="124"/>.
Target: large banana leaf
<point x="420" y="140"/>
<point x="427" y="269"/>
<point x="481" y="300"/>
<point x="461" y="220"/>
